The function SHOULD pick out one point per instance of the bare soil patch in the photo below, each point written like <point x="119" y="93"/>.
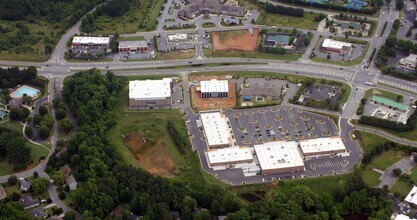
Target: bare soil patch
<point x="240" y="40"/>
<point x="150" y="156"/>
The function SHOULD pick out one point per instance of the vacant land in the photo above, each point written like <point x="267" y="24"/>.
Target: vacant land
<point x="199" y="103"/>
<point x="180" y="54"/>
<point x="255" y="54"/>
<point x="138" y="18"/>
<point x="382" y="93"/>
<point x="240" y="40"/>
<point x="306" y="22"/>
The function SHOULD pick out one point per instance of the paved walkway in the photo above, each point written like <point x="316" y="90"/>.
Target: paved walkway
<point x="389" y="178"/>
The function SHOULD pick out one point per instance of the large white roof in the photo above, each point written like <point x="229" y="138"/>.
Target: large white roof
<point x="177" y="37"/>
<point x="216" y="128"/>
<point x="321" y="145"/>
<point x="214" y="85"/>
<point x="91" y="40"/>
<point x="135" y="43"/>
<point x="334" y="44"/>
<point x="148" y="89"/>
<point x="403" y="217"/>
<point x="412" y="196"/>
<point x="229" y="155"/>
<point x="278" y="155"/>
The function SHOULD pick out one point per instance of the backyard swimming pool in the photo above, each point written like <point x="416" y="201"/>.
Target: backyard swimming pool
<point x="30" y="91"/>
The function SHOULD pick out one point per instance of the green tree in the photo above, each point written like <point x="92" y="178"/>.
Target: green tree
<point x="37" y="119"/>
<point x="242" y="214"/>
<point x="70" y="215"/>
<point x="58" y="177"/>
<point x="44" y="132"/>
<point x="12" y="180"/>
<point x="62" y="196"/>
<point x="28" y="131"/>
<point x="66" y="125"/>
<point x="43" y="110"/>
<point x="202" y="215"/>
<point x="397" y="171"/>
<point x="47" y="121"/>
<point x="39" y="185"/>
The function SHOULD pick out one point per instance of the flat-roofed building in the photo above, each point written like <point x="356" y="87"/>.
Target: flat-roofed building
<point x="93" y="42"/>
<point x="403" y="217"/>
<point x="409" y="61"/>
<point x="136" y="45"/>
<point x="322" y="146"/>
<point x="390" y="103"/>
<point x="277" y="39"/>
<point x="150" y="93"/>
<point x="229" y="155"/>
<point x="336" y="46"/>
<point x="411" y="198"/>
<point x="216" y="129"/>
<point x="279" y="157"/>
<point x="174" y="38"/>
<point x="214" y="88"/>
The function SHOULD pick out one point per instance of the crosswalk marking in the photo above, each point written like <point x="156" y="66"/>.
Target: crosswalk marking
<point x="411" y="87"/>
<point x="303" y="69"/>
<point x="113" y="67"/>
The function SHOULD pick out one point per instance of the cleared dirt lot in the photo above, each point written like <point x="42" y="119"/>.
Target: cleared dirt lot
<point x="213" y="103"/>
<point x="150" y="156"/>
<point x="240" y="40"/>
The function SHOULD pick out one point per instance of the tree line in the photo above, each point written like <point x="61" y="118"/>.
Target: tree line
<point x="366" y="10"/>
<point x="177" y="137"/>
<point x="282" y="10"/>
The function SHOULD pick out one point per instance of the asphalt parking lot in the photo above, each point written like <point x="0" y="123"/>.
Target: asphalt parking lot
<point x="257" y="126"/>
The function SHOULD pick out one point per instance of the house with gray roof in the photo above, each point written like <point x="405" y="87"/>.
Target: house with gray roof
<point x="28" y="202"/>
<point x="24" y="185"/>
<point x="71" y="182"/>
<point x="38" y="212"/>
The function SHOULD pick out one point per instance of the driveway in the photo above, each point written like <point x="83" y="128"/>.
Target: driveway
<point x="388" y="178"/>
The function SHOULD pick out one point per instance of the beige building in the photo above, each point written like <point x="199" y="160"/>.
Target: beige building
<point x="279" y="157"/>
<point x="217" y="132"/>
<point x="322" y="146"/>
<point x="229" y="156"/>
<point x="409" y="61"/>
<point x="144" y="94"/>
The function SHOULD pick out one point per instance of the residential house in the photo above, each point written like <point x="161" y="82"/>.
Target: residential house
<point x="24" y="185"/>
<point x="28" y="202"/>
<point x="71" y="182"/>
<point x="38" y="212"/>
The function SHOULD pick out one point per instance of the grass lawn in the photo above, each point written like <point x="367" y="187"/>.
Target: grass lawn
<point x="307" y="22"/>
<point x="404" y="187"/>
<point x="174" y="55"/>
<point x="383" y="93"/>
<point x="208" y="25"/>
<point x="132" y="21"/>
<point x="36" y="151"/>
<point x="255" y="55"/>
<point x="318" y="185"/>
<point x="386" y="159"/>
<point x="370" y="140"/>
<point x="370" y="177"/>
